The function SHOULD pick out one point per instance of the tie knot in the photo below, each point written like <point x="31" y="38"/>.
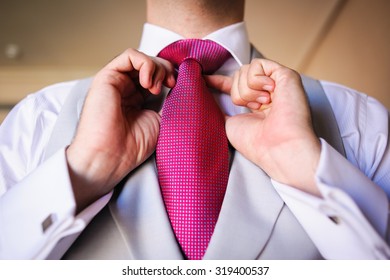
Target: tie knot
<point x="208" y="53"/>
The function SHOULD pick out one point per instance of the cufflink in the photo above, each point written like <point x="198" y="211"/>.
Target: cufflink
<point x="330" y="213"/>
<point x="335" y="219"/>
<point x="47" y="222"/>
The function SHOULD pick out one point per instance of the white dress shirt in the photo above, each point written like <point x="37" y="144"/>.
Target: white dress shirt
<point x="351" y="220"/>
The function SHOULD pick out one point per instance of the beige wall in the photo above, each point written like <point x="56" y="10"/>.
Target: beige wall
<point x="339" y="40"/>
<point x="356" y="51"/>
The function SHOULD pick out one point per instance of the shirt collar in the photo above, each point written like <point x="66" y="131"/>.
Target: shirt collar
<point x="234" y="38"/>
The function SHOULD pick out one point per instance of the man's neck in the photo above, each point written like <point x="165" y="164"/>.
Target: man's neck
<point x="194" y="18"/>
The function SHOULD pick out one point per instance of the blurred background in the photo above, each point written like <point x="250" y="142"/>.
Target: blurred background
<point x="47" y="41"/>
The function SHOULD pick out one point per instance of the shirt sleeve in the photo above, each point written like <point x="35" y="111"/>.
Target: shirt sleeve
<point x="38" y="212"/>
<point x="37" y="207"/>
<point x="350" y="221"/>
<point x="346" y="223"/>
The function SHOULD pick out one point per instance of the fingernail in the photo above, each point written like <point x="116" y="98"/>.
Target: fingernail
<point x="158" y="85"/>
<point x="268" y="87"/>
<point x="262" y="99"/>
<point x="253" y="105"/>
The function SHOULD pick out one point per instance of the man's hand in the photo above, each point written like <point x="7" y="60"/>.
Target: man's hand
<point x="115" y="133"/>
<point x="277" y="135"/>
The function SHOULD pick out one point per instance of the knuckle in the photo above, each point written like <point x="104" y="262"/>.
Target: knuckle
<point x="108" y="77"/>
<point x="252" y="81"/>
<point x="130" y="51"/>
<point x="148" y="66"/>
<point x="257" y="60"/>
<point x="289" y="74"/>
<point x="247" y="96"/>
<point x="238" y="97"/>
<point x="238" y="101"/>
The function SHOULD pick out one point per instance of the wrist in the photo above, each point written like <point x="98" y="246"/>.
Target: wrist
<point x="90" y="174"/>
<point x="295" y="164"/>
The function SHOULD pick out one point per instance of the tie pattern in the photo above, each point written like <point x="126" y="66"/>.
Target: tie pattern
<point x="192" y="150"/>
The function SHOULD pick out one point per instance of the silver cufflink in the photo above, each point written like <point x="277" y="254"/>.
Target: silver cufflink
<point x="47" y="222"/>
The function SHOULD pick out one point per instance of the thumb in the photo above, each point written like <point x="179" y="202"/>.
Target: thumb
<point x="219" y="82"/>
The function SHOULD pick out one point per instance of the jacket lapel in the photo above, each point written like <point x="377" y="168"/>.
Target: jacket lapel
<point x="248" y="215"/>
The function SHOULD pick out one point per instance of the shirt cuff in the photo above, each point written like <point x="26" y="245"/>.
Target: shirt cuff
<point x="39" y="211"/>
<point x="350" y="221"/>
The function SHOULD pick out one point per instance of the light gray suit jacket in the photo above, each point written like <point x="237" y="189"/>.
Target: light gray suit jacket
<point x="254" y="222"/>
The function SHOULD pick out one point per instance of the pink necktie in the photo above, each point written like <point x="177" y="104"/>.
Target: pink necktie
<point x="192" y="150"/>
